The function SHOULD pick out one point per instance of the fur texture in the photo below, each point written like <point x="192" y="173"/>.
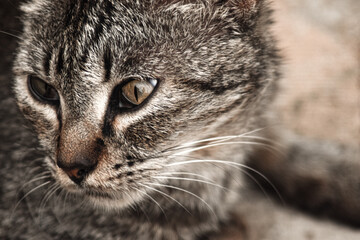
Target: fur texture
<point x="170" y="169"/>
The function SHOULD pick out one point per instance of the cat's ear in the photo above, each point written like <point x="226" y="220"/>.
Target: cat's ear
<point x="246" y="14"/>
<point x="243" y="6"/>
<point x="238" y="10"/>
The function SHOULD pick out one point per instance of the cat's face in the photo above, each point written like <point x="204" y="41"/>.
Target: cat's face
<point x="113" y="88"/>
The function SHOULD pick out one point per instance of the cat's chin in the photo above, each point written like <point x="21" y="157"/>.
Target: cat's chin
<point x="109" y="202"/>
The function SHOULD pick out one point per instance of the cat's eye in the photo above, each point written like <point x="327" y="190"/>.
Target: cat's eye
<point x="42" y="91"/>
<point x="136" y="91"/>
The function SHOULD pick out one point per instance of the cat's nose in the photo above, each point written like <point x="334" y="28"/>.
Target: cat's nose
<point x="77" y="171"/>
<point x="79" y="153"/>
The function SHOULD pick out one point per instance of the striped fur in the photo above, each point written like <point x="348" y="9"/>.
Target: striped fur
<point x="216" y="65"/>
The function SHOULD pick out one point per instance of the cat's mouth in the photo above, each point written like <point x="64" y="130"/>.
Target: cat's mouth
<point x="97" y="194"/>
<point x="109" y="201"/>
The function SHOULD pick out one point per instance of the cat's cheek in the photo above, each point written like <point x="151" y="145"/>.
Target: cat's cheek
<point x="44" y="127"/>
<point x="123" y="121"/>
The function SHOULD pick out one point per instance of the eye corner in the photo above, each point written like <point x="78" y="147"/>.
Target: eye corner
<point x="42" y="91"/>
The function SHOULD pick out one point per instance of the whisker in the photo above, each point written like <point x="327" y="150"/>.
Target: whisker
<point x="65" y="199"/>
<point x="34" y="169"/>
<point x="166" y="195"/>
<point x="237" y="165"/>
<point x="267" y="146"/>
<point x="187" y="173"/>
<point x="51" y="190"/>
<point x="193" y="180"/>
<point x="37" y="178"/>
<point x="272" y="141"/>
<point x="148" y="195"/>
<point x="220" y="138"/>
<point x="48" y="195"/>
<point x="186" y="145"/>
<point x="27" y="194"/>
<point x="132" y="204"/>
<point x="257" y="183"/>
<point x="186" y="191"/>
<point x="55" y="210"/>
<point x="19" y="38"/>
<point x="139" y="205"/>
<point x="12" y="35"/>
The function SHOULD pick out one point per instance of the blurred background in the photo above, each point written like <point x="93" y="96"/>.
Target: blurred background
<point x="320" y="40"/>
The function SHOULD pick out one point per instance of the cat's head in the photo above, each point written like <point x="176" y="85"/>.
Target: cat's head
<point x="114" y="88"/>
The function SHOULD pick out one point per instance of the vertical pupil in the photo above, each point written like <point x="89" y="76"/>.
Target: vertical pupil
<point x="47" y="91"/>
<point x="136" y="93"/>
<point x="41" y="87"/>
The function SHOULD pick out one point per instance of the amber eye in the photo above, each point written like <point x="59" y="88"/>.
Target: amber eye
<point x="136" y="91"/>
<point x="42" y="91"/>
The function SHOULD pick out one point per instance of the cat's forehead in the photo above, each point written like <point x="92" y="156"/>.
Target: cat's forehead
<point x="79" y="42"/>
<point x="128" y="21"/>
<point x="78" y="35"/>
<point x="76" y="23"/>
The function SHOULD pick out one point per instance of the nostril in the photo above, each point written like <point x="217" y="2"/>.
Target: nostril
<point x="82" y="172"/>
<point x="77" y="165"/>
<point x="78" y="173"/>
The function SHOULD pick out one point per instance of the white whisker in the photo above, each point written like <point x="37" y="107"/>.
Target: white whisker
<point x="152" y="200"/>
<point x="265" y="140"/>
<point x="46" y="198"/>
<point x="185" y="191"/>
<point x="139" y="205"/>
<point x="219" y="139"/>
<point x="37" y="178"/>
<point x="187" y="173"/>
<point x="166" y="195"/>
<point x="12" y="35"/>
<point x="133" y="201"/>
<point x="27" y="194"/>
<point x="48" y="195"/>
<point x="226" y="143"/>
<point x="257" y="183"/>
<point x="229" y="163"/>
<point x="193" y="180"/>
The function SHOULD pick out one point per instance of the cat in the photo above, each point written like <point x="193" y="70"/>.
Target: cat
<point x="151" y="113"/>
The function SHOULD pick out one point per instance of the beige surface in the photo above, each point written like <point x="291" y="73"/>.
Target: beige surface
<point x="269" y="221"/>
<point x="320" y="40"/>
<point x="320" y="98"/>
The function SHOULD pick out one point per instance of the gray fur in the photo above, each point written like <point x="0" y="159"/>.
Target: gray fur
<point x="217" y="65"/>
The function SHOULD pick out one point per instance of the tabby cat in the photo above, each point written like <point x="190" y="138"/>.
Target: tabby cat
<point x="151" y="113"/>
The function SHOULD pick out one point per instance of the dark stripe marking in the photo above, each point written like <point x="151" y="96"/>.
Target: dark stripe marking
<point x="60" y="62"/>
<point x="107" y="64"/>
<point x="47" y="63"/>
<point x="99" y="29"/>
<point x="59" y="117"/>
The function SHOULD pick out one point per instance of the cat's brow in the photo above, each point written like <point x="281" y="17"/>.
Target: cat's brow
<point x="107" y="64"/>
<point x="60" y="61"/>
<point x="47" y="63"/>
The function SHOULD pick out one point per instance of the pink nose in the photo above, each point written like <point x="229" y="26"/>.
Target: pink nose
<point x="78" y="170"/>
<point x="77" y="175"/>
